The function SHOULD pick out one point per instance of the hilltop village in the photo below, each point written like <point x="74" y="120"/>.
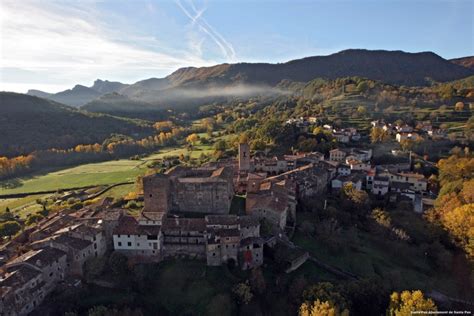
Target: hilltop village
<point x="189" y="212"/>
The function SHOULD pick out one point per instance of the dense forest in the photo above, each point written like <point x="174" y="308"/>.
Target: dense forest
<point x="30" y="123"/>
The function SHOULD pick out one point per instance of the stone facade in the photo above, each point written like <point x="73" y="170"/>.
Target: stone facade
<point x="196" y="190"/>
<point x="244" y="157"/>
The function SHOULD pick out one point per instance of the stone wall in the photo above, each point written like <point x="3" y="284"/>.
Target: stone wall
<point x="202" y="197"/>
<point x="156" y="193"/>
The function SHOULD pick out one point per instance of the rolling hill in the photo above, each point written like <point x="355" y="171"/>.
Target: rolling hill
<point x="467" y="62"/>
<point x="29" y="123"/>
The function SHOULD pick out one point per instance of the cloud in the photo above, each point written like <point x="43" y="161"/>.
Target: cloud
<point x="60" y="43"/>
<point x="197" y="19"/>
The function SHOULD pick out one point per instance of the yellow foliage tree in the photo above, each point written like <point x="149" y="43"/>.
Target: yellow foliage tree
<point x="319" y="308"/>
<point x="192" y="138"/>
<point x="459" y="106"/>
<point x="403" y="304"/>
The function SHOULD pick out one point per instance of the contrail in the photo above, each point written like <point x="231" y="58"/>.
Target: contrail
<point x="226" y="48"/>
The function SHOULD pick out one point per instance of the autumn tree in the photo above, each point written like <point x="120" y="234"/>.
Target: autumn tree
<point x="192" y="138"/>
<point x="319" y="308"/>
<point x="407" y="302"/>
<point x="326" y="292"/>
<point x="378" y="135"/>
<point x="454" y="207"/>
<point x="459" y="106"/>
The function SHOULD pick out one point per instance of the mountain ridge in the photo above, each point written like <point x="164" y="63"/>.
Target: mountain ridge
<point x="391" y="67"/>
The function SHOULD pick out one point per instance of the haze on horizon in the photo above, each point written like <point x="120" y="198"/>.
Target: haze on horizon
<point x="53" y="45"/>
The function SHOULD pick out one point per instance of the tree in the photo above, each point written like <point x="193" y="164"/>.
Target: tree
<point x="362" y="110"/>
<point x="362" y="86"/>
<point x="118" y="263"/>
<point x="257" y="281"/>
<point x="350" y="192"/>
<point x="407" y="144"/>
<point x="325" y="292"/>
<point x="307" y="144"/>
<point x="378" y="135"/>
<point x="460" y="223"/>
<point x="192" y="138"/>
<point x="33" y="219"/>
<point x="407" y="302"/>
<point x="98" y="311"/>
<point x="220" y="145"/>
<point x="459" y="106"/>
<point x="243" y="292"/>
<point x="94" y="267"/>
<point x="9" y="228"/>
<point x="318" y="308"/>
<point x="296" y="288"/>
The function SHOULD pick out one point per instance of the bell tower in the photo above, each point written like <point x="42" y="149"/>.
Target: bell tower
<point x="244" y="157"/>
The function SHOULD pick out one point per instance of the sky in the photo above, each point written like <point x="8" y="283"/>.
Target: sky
<point x="53" y="45"/>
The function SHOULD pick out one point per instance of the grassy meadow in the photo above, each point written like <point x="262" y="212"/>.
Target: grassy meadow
<point x="93" y="174"/>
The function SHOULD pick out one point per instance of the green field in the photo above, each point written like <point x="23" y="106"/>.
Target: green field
<point x="22" y="206"/>
<point x="95" y="174"/>
<point x="85" y="175"/>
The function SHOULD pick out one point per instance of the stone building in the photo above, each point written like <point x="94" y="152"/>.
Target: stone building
<point x="77" y="250"/>
<point x="215" y="238"/>
<point x="309" y="180"/>
<point x="244" y="157"/>
<point x="21" y="290"/>
<point x="194" y="190"/>
<point x="184" y="237"/>
<point x="131" y="238"/>
<point x="251" y="252"/>
<point x="273" y="203"/>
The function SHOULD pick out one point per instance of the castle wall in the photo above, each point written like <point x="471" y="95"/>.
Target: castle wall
<point x="156" y="193"/>
<point x="208" y="197"/>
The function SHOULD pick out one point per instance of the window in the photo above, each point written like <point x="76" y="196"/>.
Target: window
<point x="152" y="237"/>
<point x="213" y="254"/>
<point x="128" y="236"/>
<point x="119" y="244"/>
<point x="118" y="236"/>
<point x="129" y="244"/>
<point x="138" y="244"/>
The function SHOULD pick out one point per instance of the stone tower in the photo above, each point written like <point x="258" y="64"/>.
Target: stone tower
<point x="156" y="193"/>
<point x="244" y="157"/>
